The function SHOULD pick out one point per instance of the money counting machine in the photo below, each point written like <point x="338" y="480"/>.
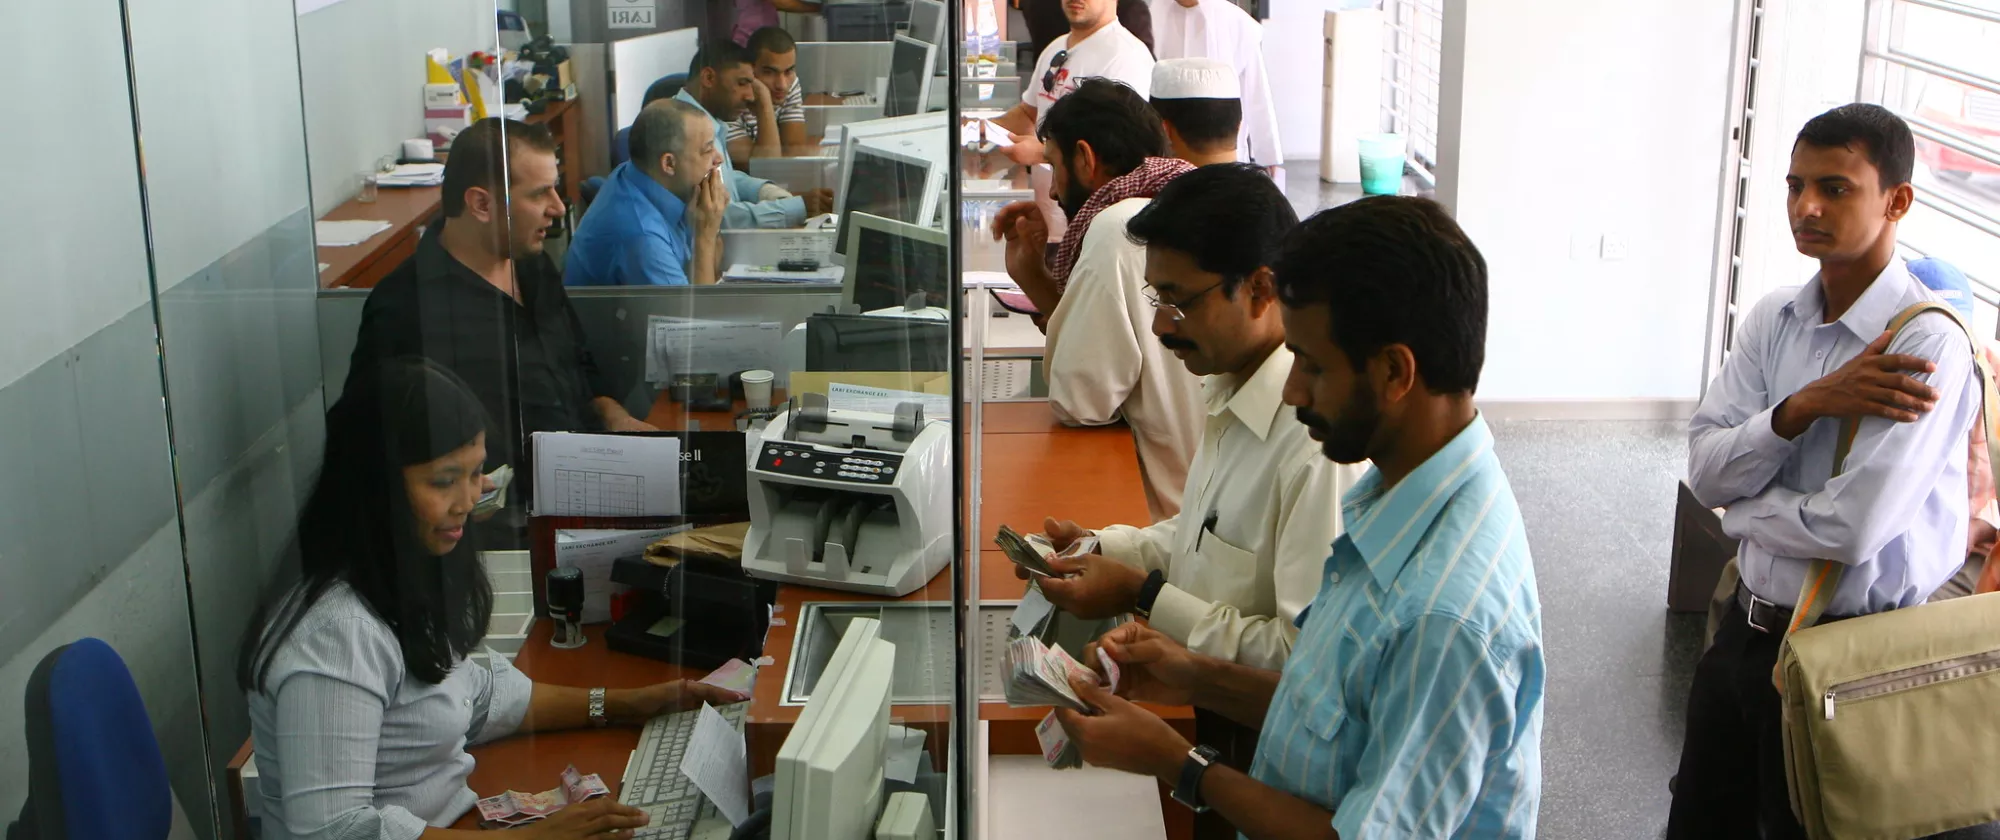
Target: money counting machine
<point x="850" y="500"/>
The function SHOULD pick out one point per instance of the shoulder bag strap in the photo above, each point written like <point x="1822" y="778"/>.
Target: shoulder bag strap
<point x="1816" y="592"/>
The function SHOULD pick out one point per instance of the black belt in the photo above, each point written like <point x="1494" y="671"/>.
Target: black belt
<point x="1769" y="617"/>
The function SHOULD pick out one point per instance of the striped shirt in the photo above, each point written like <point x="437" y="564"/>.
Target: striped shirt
<point x="350" y="746"/>
<point x="1412" y="703"/>
<point x="792" y="110"/>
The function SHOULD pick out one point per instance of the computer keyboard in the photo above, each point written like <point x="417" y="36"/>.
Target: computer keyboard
<point x="858" y="99"/>
<point x="655" y="784"/>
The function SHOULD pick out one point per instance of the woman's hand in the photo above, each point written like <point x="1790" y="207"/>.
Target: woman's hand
<point x="642" y="704"/>
<point x="597" y="819"/>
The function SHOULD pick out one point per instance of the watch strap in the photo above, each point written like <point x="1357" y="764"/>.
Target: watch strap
<point x="1149" y="593"/>
<point x="1188" y="790"/>
<point x="597" y="717"/>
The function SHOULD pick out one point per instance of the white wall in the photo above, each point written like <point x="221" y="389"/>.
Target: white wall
<point x="77" y="142"/>
<point x="1294" y="40"/>
<point x="1581" y="118"/>
<point x="362" y="70"/>
<point x="219" y="114"/>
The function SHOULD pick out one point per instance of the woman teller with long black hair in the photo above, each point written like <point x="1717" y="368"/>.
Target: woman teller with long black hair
<point x="362" y="701"/>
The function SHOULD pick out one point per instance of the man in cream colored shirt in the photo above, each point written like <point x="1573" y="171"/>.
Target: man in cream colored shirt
<point x="1221" y="30"/>
<point x="1227" y="576"/>
<point x="1102" y="363"/>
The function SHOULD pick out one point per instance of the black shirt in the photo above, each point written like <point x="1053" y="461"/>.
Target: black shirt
<point x="526" y="361"/>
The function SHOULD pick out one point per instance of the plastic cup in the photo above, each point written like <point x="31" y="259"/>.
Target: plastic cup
<point x="757" y="388"/>
<point x="1382" y="164"/>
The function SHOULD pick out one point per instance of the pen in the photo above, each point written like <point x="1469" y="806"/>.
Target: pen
<point x="1207" y="525"/>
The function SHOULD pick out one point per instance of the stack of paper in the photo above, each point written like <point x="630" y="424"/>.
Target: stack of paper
<point x="745" y="273"/>
<point x="1039" y="675"/>
<point x="413" y="175"/>
<point x="341" y="234"/>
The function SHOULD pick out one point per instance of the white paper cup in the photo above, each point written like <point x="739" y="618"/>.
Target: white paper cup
<point x="757" y="388"/>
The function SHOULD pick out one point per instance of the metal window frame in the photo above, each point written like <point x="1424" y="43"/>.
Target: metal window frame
<point x="1733" y="197"/>
<point x="1879" y="53"/>
<point x="1413" y="52"/>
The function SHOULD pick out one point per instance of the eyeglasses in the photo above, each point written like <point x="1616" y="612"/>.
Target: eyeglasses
<point x="1177" y="311"/>
<point x="1055" y="63"/>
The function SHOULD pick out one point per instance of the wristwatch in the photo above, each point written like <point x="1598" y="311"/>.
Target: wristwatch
<point x="597" y="717"/>
<point x="1149" y="592"/>
<point x="1188" y="791"/>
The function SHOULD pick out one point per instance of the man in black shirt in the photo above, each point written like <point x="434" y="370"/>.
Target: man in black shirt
<point x="482" y="298"/>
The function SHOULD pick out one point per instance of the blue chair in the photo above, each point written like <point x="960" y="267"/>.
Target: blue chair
<point x="666" y="87"/>
<point x="94" y="767"/>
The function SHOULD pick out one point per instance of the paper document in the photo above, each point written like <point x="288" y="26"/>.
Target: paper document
<point x="413" y="175"/>
<point x="903" y="754"/>
<point x="771" y="274"/>
<point x="593" y="552"/>
<point x="690" y="345"/>
<point x="1033" y="610"/>
<point x="351" y="232"/>
<point x="989" y="280"/>
<point x="884" y="401"/>
<point x="606" y="475"/>
<point x="716" y="763"/>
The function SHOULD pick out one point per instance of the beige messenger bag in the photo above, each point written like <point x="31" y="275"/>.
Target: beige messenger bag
<point x="1892" y="720"/>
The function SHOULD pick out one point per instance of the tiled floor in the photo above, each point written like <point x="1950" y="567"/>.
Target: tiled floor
<point x="1598" y="499"/>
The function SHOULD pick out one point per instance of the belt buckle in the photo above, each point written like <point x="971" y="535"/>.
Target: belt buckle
<point x="1751" y="617"/>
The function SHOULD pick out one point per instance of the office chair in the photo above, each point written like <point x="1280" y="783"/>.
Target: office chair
<point x="666" y="87"/>
<point x="94" y="767"/>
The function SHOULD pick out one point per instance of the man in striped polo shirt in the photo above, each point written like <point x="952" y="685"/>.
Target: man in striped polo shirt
<point x="1412" y="703"/>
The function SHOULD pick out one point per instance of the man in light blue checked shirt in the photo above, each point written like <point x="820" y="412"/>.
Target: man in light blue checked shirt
<point x="1412" y="703"/>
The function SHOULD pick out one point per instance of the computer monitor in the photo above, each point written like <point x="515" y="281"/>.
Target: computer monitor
<point x="909" y="78"/>
<point x="927" y="21"/>
<point x="636" y="63"/>
<point x="893" y="183"/>
<point x="829" y="779"/>
<point x="927" y="24"/>
<point x="846" y="343"/>
<point x="890" y="261"/>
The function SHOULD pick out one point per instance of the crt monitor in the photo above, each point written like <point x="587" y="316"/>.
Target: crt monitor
<point x="883" y="183"/>
<point x="909" y="78"/>
<point x="829" y="779"/>
<point x="889" y="261"/>
<point x="845" y="343"/>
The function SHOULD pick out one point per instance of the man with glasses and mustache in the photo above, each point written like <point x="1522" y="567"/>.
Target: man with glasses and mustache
<point x="1103" y="365"/>
<point x="1097" y="46"/>
<point x="1411" y="705"/>
<point x="1228" y="574"/>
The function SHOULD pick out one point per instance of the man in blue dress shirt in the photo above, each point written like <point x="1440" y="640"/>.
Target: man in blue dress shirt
<point x="1411" y="705"/>
<point x="722" y="82"/>
<point x="658" y="220"/>
<point x="1762" y="446"/>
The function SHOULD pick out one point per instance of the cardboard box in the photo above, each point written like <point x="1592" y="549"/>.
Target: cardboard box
<point x="442" y="96"/>
<point x="443" y="124"/>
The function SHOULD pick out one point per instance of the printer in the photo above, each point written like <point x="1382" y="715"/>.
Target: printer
<point x="850" y="500"/>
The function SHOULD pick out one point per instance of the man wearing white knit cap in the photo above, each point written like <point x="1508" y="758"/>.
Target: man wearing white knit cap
<point x="1221" y="30"/>
<point x="1201" y="103"/>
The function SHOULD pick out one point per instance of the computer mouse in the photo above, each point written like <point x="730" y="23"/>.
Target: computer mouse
<point x="822" y="222"/>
